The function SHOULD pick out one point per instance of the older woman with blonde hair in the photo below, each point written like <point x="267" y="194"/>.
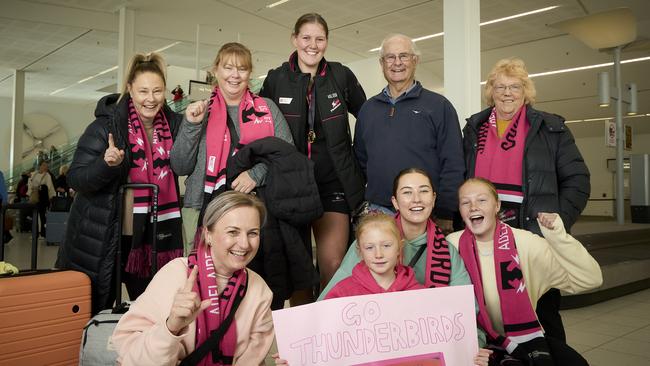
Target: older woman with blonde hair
<point x="214" y="129"/>
<point x="532" y="159"/>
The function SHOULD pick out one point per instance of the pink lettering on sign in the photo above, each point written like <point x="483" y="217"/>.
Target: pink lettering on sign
<point x="371" y="328"/>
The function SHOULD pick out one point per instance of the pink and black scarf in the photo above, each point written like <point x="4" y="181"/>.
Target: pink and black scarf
<point x="438" y="267"/>
<point x="255" y="122"/>
<point x="222" y="305"/>
<point x="500" y="160"/>
<point x="520" y="323"/>
<point x="150" y="164"/>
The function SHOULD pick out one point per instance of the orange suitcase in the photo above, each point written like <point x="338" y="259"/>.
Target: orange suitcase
<point x="42" y="314"/>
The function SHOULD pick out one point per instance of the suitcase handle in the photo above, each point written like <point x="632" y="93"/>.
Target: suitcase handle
<point x="35" y="218"/>
<point x="154" y="249"/>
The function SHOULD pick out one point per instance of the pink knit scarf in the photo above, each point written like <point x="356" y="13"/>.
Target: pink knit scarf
<point x="221" y="305"/>
<point x="255" y="121"/>
<point x="500" y="160"/>
<point x="438" y="270"/>
<point x="520" y="323"/>
<point x="150" y="164"/>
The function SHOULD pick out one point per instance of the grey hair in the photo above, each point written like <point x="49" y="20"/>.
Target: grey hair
<point x="414" y="48"/>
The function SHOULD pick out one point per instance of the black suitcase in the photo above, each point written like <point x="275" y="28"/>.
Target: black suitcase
<point x="96" y="347"/>
<point x="21" y="207"/>
<point x="60" y="203"/>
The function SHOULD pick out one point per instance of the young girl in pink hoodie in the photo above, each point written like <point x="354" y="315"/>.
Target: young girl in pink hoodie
<point x="379" y="245"/>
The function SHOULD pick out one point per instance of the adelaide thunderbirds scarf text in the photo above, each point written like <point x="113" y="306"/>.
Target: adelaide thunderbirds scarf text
<point x="520" y="323"/>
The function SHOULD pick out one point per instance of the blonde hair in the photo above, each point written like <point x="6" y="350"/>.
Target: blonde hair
<point x="228" y="201"/>
<point x="237" y="51"/>
<point x="511" y="67"/>
<point x="63" y="170"/>
<point x="490" y="186"/>
<point x="140" y="63"/>
<point x="378" y="219"/>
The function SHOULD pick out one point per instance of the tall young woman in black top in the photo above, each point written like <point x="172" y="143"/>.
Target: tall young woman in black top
<point x="315" y="97"/>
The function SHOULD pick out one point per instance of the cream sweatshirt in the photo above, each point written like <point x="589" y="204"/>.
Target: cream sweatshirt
<point x="556" y="260"/>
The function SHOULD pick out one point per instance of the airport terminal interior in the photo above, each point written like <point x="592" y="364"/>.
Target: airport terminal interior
<point x="58" y="57"/>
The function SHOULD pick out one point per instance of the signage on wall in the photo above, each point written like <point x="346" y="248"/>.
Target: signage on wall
<point x="610" y="133"/>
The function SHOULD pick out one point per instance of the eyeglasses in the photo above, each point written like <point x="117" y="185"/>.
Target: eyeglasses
<point x="391" y="58"/>
<point x="515" y="88"/>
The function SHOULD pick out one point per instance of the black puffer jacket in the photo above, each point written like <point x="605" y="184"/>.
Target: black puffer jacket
<point x="292" y="201"/>
<point x="92" y="234"/>
<point x="337" y="93"/>
<point x="555" y="177"/>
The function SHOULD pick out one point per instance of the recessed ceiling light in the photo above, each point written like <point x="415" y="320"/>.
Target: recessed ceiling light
<point x="582" y="68"/>
<point x="276" y="3"/>
<point x="113" y="68"/>
<point x="484" y="23"/>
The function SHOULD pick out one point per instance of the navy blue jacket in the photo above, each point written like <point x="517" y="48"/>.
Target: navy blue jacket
<point x="420" y="129"/>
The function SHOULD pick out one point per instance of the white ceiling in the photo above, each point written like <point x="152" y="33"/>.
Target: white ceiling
<point x="59" y="42"/>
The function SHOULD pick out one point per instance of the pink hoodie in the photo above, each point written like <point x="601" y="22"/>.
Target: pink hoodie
<point x="362" y="283"/>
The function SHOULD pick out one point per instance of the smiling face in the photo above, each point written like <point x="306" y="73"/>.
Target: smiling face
<point x="234" y="239"/>
<point x="148" y="94"/>
<point x="479" y="208"/>
<point x="396" y="70"/>
<point x="508" y="96"/>
<point x="311" y="43"/>
<point x="414" y="198"/>
<point x="379" y="248"/>
<point x="232" y="78"/>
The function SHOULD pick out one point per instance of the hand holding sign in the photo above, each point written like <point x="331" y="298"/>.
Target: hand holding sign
<point x="187" y="305"/>
<point x="113" y="156"/>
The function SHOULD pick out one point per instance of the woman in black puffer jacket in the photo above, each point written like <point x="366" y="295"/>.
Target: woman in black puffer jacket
<point x="532" y="159"/>
<point x="129" y="141"/>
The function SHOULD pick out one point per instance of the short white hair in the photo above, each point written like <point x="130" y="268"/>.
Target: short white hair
<point x="414" y="48"/>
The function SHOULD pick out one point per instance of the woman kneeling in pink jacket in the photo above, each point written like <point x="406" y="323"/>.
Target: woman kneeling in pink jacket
<point x="207" y="309"/>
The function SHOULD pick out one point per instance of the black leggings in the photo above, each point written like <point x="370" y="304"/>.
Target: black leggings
<point x="548" y="313"/>
<point x="562" y="353"/>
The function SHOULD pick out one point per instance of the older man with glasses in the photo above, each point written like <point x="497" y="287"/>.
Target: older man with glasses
<point x="407" y="126"/>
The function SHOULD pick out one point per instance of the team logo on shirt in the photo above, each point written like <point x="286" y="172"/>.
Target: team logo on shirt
<point x="335" y="104"/>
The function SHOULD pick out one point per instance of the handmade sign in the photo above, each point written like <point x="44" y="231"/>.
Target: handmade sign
<point x="418" y="327"/>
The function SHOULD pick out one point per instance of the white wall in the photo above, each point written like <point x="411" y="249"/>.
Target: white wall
<point x="73" y="117"/>
<point x="595" y="153"/>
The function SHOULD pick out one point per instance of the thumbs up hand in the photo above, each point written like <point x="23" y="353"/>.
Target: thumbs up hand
<point x="113" y="156"/>
<point x="187" y="305"/>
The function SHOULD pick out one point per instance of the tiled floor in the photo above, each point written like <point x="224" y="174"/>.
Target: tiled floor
<point x="615" y="332"/>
